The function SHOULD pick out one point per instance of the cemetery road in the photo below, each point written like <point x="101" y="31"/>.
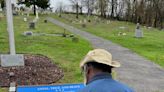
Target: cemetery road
<point x="136" y="71"/>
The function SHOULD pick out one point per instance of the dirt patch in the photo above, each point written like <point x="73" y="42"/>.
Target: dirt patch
<point x="38" y="70"/>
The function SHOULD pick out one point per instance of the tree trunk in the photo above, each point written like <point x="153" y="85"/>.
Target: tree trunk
<point x="34" y="7"/>
<point x="77" y="11"/>
<point x="112" y="12"/>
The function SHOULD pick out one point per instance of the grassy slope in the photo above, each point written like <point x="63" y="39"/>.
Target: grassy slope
<point x="63" y="51"/>
<point x="151" y="46"/>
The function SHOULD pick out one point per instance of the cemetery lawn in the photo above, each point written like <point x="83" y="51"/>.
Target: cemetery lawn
<point x="151" y="46"/>
<point x="65" y="53"/>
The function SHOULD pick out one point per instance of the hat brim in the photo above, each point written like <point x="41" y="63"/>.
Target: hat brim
<point x="114" y="64"/>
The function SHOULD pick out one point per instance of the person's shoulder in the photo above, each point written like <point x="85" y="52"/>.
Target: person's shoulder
<point x="126" y="87"/>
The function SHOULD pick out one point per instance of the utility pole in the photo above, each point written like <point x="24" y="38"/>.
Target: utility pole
<point x="12" y="59"/>
<point x="10" y="28"/>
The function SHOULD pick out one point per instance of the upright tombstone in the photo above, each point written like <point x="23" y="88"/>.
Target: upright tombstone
<point x="138" y="31"/>
<point x="0" y="8"/>
<point x="37" y="15"/>
<point x="25" y="19"/>
<point x="32" y="25"/>
<point x="85" y="21"/>
<point x="108" y="22"/>
<point x="12" y="87"/>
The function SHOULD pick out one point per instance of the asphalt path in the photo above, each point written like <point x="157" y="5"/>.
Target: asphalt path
<point x="136" y="71"/>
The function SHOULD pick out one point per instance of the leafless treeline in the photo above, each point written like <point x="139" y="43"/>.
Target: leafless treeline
<point x="147" y="12"/>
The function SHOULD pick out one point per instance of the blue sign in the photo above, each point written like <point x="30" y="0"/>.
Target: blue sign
<point x="51" y="88"/>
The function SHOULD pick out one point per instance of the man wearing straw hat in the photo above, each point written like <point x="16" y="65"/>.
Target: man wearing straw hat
<point x="97" y="68"/>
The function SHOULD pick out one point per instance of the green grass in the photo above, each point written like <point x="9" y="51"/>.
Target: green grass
<point x="151" y="46"/>
<point x="3" y="90"/>
<point x="65" y="53"/>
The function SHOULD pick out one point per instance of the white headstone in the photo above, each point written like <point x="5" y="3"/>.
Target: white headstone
<point x="124" y="34"/>
<point x="138" y="31"/>
<point x="122" y="27"/>
<point x="37" y="15"/>
<point x="80" y="22"/>
<point x="85" y="21"/>
<point x="12" y="60"/>
<point x="25" y="19"/>
<point x="35" y="20"/>
<point x="108" y="22"/>
<point x="12" y="87"/>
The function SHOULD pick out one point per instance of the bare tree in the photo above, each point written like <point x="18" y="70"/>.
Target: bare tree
<point x="60" y="8"/>
<point x="78" y="6"/>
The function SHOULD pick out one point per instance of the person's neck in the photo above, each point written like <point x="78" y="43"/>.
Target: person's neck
<point x="92" y="75"/>
<point x="98" y="75"/>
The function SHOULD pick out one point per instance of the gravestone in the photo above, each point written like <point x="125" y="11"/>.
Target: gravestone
<point x="85" y="21"/>
<point x="12" y="60"/>
<point x="28" y="33"/>
<point x="83" y="25"/>
<point x="0" y="8"/>
<point x="64" y="33"/>
<point x="80" y="22"/>
<point x="138" y="31"/>
<point x="149" y="28"/>
<point x="35" y="20"/>
<point x="32" y="25"/>
<point x="11" y="74"/>
<point x="45" y="21"/>
<point x="108" y="22"/>
<point x="37" y="15"/>
<point x="22" y="13"/>
<point x="12" y="87"/>
<point x="89" y="20"/>
<point x="123" y="27"/>
<point x="71" y="35"/>
<point x="25" y="19"/>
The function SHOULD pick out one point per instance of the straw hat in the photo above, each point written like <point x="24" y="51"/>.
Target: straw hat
<point x="100" y="56"/>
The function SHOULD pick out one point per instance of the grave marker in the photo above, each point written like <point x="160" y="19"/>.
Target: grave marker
<point x="138" y="31"/>
<point x="12" y="87"/>
<point x="37" y="15"/>
<point x="85" y="21"/>
<point x="108" y="22"/>
<point x="25" y="19"/>
<point x="32" y="25"/>
<point x="28" y="33"/>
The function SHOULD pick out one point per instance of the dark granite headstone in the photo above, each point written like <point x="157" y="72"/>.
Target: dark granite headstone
<point x="45" y="21"/>
<point x="32" y="25"/>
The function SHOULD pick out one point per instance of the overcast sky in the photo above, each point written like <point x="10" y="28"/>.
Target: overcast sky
<point x="54" y="3"/>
